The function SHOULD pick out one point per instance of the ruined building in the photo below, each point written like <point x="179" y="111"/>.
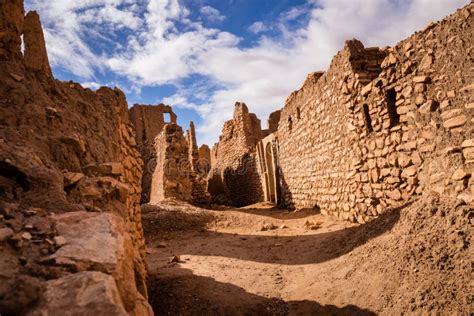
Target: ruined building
<point x="172" y="163"/>
<point x="149" y="121"/>
<point x="379" y="127"/>
<point x="70" y="185"/>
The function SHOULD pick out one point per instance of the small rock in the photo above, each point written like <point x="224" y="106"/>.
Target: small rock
<point x="162" y="245"/>
<point x="283" y="226"/>
<point x="445" y="104"/>
<point x="26" y="236"/>
<point x="268" y="227"/>
<point x="420" y="79"/>
<point x="17" y="77"/>
<point x="71" y="178"/>
<point x="460" y="174"/>
<point x="5" y="233"/>
<point x="455" y="121"/>
<point x="451" y="94"/>
<point x="59" y="241"/>
<point x="468" y="143"/>
<point x="175" y="259"/>
<point x="51" y="112"/>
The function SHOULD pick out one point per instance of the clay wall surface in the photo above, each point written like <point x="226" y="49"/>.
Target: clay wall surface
<point x="204" y="164"/>
<point x="233" y="176"/>
<point x="198" y="168"/>
<point x="382" y="126"/>
<point x="69" y="186"/>
<point x="173" y="173"/>
<point x="149" y="121"/>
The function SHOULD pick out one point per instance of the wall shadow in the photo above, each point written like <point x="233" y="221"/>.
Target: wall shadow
<point x="177" y="291"/>
<point x="278" y="213"/>
<point x="292" y="250"/>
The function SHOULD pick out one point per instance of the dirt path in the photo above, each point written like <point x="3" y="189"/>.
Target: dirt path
<point x="266" y="261"/>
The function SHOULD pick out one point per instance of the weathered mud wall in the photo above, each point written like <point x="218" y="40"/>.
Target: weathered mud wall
<point x="198" y="168"/>
<point x="69" y="187"/>
<point x="173" y="177"/>
<point x="374" y="131"/>
<point x="233" y="177"/>
<point x="149" y="121"/>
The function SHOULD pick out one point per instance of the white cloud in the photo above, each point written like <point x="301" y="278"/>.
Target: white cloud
<point x="166" y="46"/>
<point x="258" y="27"/>
<point x="91" y="85"/>
<point x="68" y="23"/>
<point x="212" y="14"/>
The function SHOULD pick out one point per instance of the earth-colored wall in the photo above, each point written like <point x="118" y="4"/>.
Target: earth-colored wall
<point x="69" y="186"/>
<point x="149" y="121"/>
<point x="233" y="177"/>
<point x="373" y="131"/>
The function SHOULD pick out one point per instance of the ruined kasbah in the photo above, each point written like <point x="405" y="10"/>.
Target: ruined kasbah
<point x="356" y="199"/>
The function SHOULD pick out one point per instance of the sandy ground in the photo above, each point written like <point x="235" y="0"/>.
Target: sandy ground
<point x="262" y="260"/>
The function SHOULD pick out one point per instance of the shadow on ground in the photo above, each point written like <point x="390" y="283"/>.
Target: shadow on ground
<point x="288" y="250"/>
<point x="183" y="293"/>
<point x="278" y="213"/>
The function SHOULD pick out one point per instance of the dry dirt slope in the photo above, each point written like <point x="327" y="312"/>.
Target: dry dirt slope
<point x="412" y="260"/>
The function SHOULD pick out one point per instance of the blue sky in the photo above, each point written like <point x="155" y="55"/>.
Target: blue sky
<point x="201" y="56"/>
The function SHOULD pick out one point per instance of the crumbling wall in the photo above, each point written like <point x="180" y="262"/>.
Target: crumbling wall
<point x="233" y="176"/>
<point x="204" y="163"/>
<point x="149" y="121"/>
<point x="198" y="169"/>
<point x="173" y="176"/>
<point x="422" y="122"/>
<point x="69" y="187"/>
<point x="273" y="121"/>
<point x="383" y="125"/>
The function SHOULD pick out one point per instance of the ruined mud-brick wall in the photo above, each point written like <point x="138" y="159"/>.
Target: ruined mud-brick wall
<point x="69" y="187"/>
<point x="173" y="177"/>
<point x="204" y="163"/>
<point x="198" y="174"/>
<point x="273" y="121"/>
<point x="420" y="109"/>
<point x="375" y="130"/>
<point x="149" y="121"/>
<point x="315" y="147"/>
<point x="233" y="176"/>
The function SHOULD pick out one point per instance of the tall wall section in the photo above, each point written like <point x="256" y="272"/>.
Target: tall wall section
<point x="233" y="177"/>
<point x="149" y="121"/>
<point x="69" y="187"/>
<point x="173" y="177"/>
<point x="199" y="167"/>
<point x="383" y="125"/>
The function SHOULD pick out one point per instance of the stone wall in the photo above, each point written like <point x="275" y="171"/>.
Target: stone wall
<point x="149" y="121"/>
<point x="233" y="177"/>
<point x="204" y="163"/>
<point x="173" y="177"/>
<point x="198" y="168"/>
<point x="381" y="126"/>
<point x="69" y="186"/>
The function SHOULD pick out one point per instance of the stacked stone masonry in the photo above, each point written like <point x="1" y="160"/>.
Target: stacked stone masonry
<point x="199" y="168"/>
<point x="378" y="128"/>
<point x="234" y="178"/>
<point x="70" y="186"/>
<point x="382" y="126"/>
<point x="172" y="178"/>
